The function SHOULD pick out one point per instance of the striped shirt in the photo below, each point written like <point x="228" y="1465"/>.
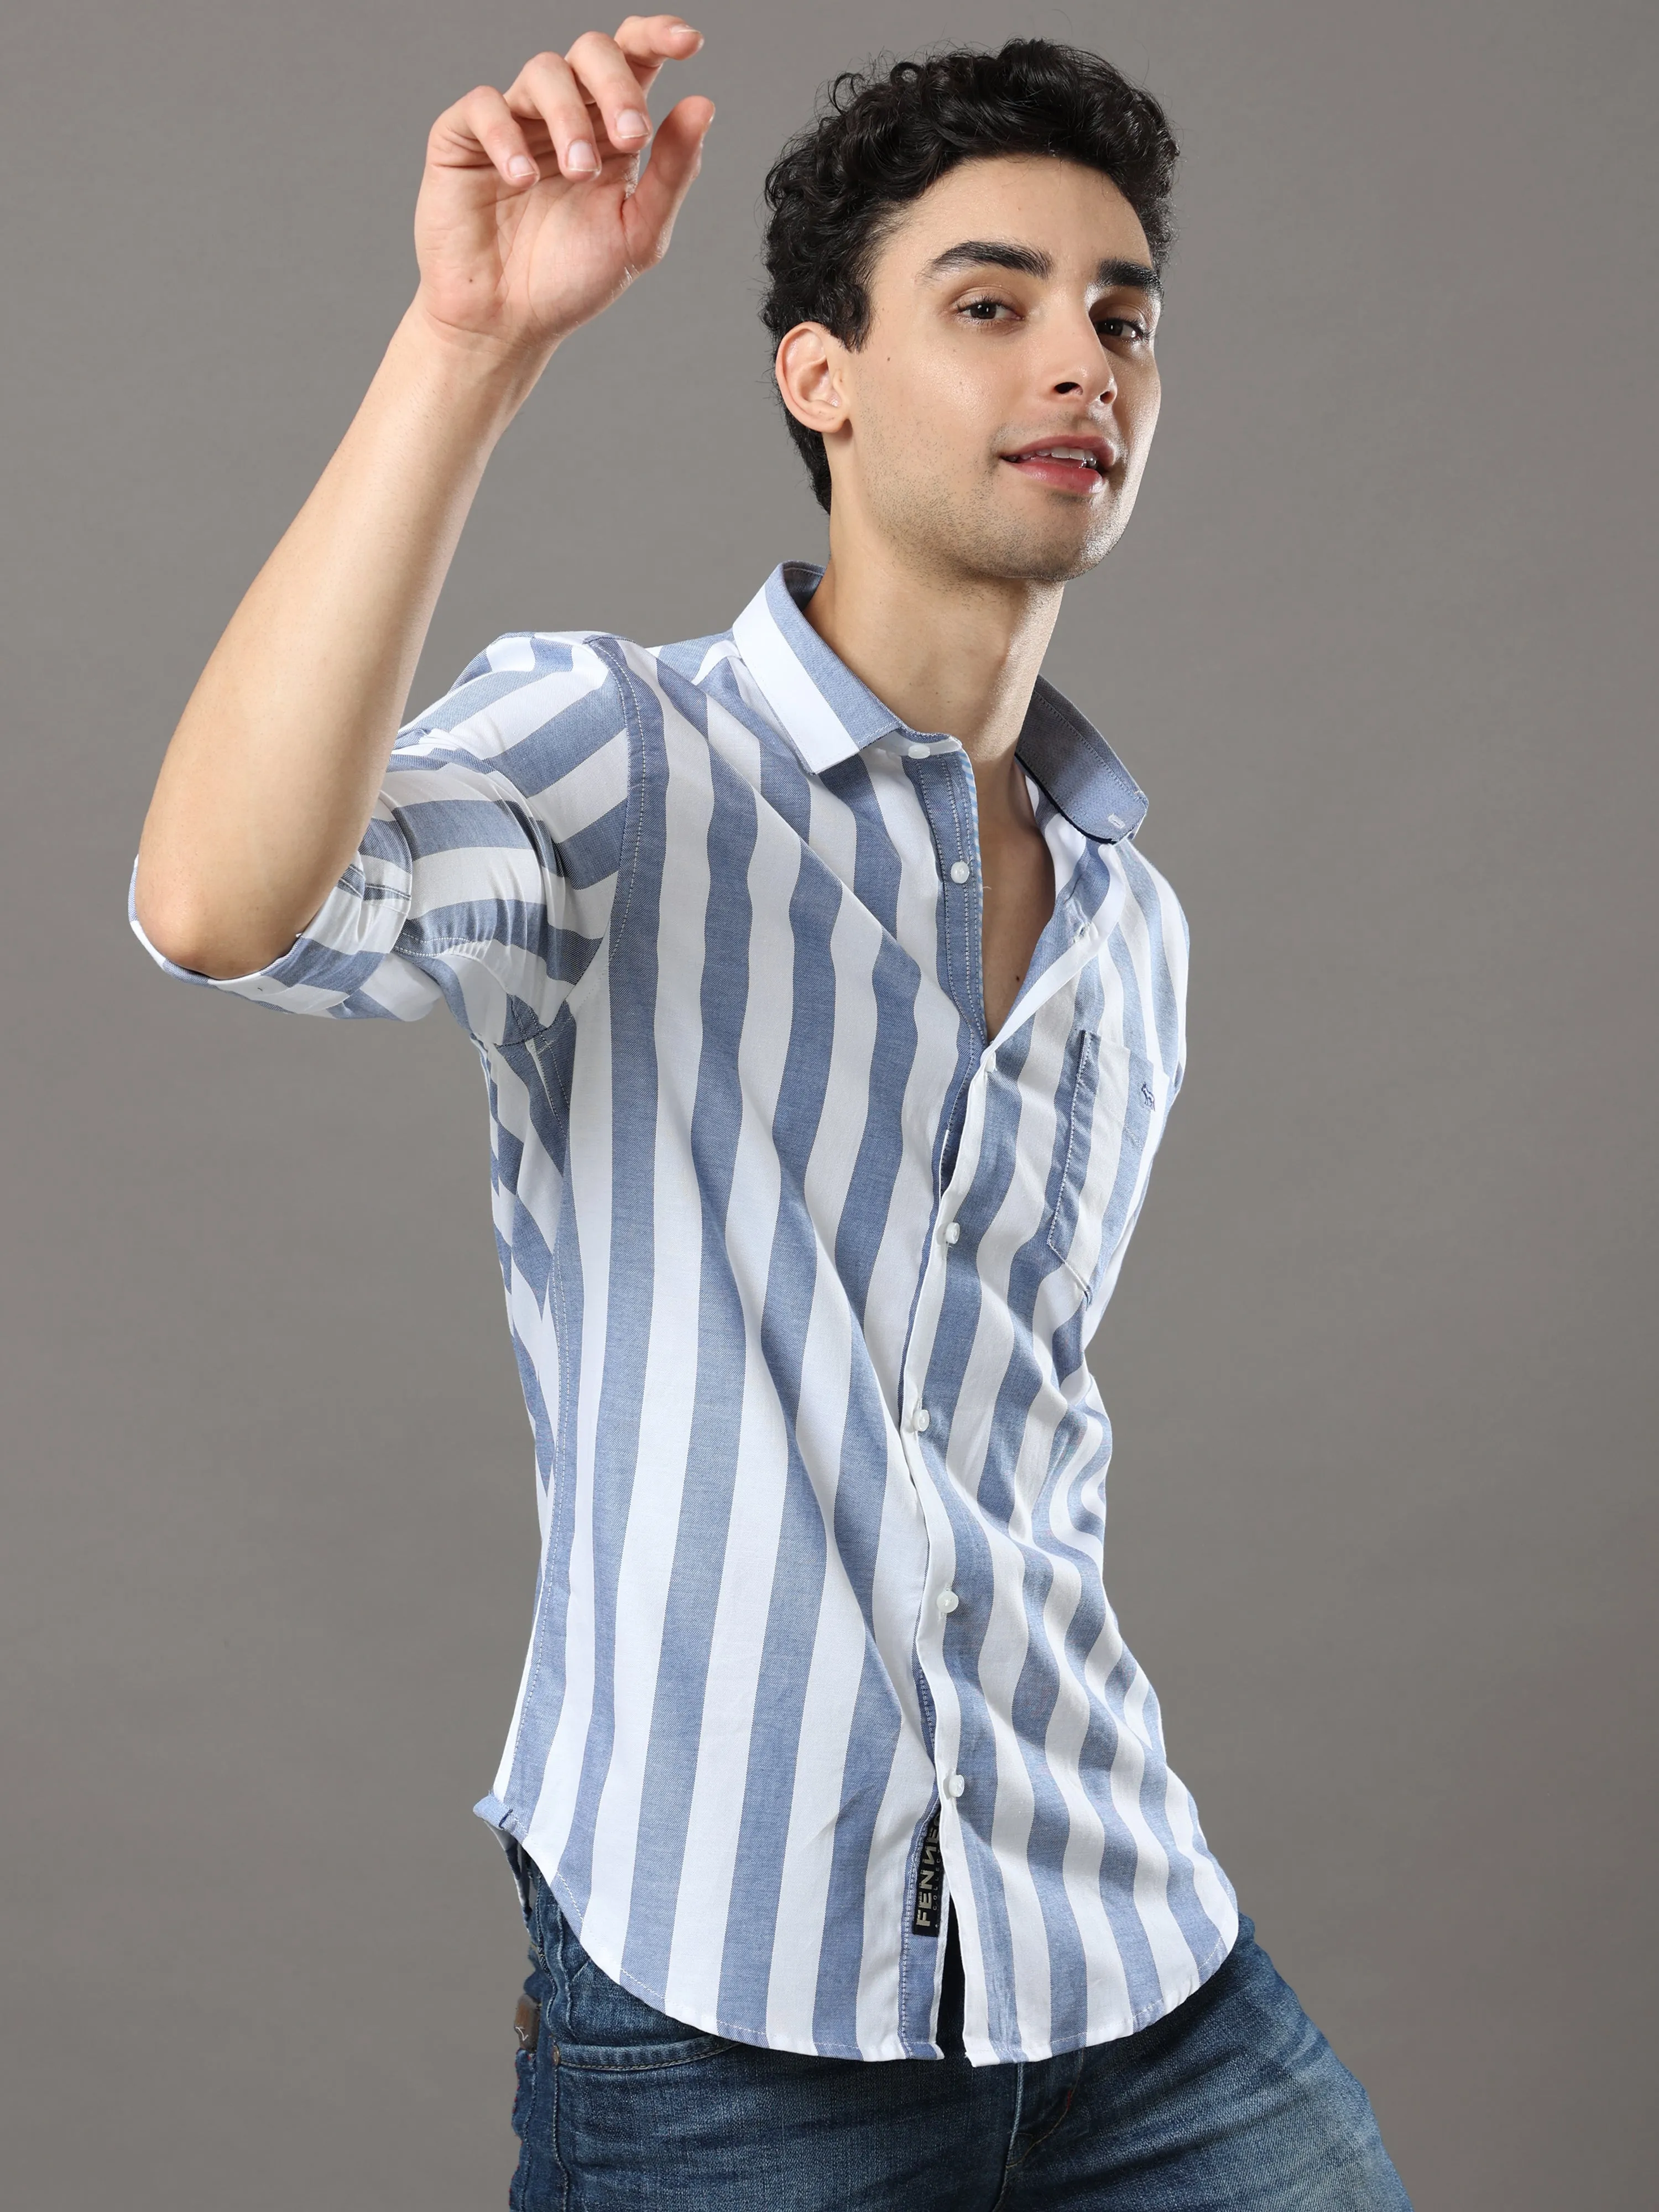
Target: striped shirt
<point x="801" y="1267"/>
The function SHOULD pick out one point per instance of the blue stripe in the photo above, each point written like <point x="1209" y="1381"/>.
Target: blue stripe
<point x="540" y="762"/>
<point x="592" y="854"/>
<point x="788" y="589"/>
<point x="457" y="825"/>
<point x="499" y="923"/>
<point x="543" y="1698"/>
<point x="717" y="1412"/>
<point x="321" y="967"/>
<point x="798" y="1577"/>
<point x="382" y="840"/>
<point x="633" y="984"/>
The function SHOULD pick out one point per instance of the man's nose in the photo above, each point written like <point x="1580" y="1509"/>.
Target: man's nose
<point x="1084" y="368"/>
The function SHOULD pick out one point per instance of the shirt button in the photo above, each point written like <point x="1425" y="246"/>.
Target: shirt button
<point x="952" y="1231"/>
<point x="919" y="752"/>
<point x="960" y="871"/>
<point x="954" y="1785"/>
<point x="947" y="1600"/>
<point x="920" y="1419"/>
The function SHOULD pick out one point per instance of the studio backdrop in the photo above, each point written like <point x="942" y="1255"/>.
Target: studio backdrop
<point x="1379" y="646"/>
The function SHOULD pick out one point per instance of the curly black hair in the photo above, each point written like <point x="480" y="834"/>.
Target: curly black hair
<point x="878" y="141"/>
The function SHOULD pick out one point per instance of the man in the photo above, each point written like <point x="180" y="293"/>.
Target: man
<point x="830" y="1019"/>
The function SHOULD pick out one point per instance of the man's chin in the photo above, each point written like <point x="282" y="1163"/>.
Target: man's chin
<point x="983" y="541"/>
<point x="1062" y="541"/>
<point x="1041" y="557"/>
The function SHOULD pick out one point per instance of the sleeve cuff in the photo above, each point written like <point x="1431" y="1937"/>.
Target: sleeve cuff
<point x="351" y="932"/>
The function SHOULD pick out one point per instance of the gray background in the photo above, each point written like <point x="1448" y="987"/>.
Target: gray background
<point x="1379" y="643"/>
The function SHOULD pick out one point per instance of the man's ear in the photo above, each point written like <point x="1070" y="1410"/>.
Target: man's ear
<point x="808" y="369"/>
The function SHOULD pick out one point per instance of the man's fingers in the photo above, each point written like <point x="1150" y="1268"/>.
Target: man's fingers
<point x="484" y="123"/>
<point x="592" y="95"/>
<point x="648" y="41"/>
<point x="602" y="69"/>
<point x="547" y="87"/>
<point x="591" y="99"/>
<point x="650" y="213"/>
<point x="588" y="109"/>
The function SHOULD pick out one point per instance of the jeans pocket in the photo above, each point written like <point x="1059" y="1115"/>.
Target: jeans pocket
<point x="601" y="2025"/>
<point x="533" y="2007"/>
<point x="523" y="2063"/>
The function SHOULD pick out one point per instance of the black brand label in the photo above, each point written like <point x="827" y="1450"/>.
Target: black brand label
<point x="930" y="1882"/>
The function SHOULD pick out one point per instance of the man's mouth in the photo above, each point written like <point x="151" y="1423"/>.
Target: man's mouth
<point x="1078" y="466"/>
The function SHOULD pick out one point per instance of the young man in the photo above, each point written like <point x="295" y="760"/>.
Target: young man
<point x="830" y="1019"/>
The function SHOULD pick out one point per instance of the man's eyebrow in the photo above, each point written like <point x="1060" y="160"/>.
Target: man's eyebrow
<point x="1130" y="275"/>
<point x="998" y="253"/>
<point x="1031" y="261"/>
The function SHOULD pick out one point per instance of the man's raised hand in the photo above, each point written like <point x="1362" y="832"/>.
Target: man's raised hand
<point x="534" y="214"/>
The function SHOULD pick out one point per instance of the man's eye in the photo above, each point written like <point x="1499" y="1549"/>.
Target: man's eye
<point x="982" y="311"/>
<point x="1125" y="326"/>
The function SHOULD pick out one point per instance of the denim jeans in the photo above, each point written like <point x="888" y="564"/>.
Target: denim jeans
<point x="1234" y="2100"/>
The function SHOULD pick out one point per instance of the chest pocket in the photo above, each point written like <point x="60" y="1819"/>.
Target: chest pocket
<point x="1115" y="1119"/>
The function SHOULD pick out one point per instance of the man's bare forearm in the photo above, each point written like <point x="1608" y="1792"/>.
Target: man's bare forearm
<point x="272" y="776"/>
<point x="534" y="213"/>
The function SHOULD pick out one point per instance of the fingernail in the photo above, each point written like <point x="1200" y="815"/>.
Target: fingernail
<point x="521" y="168"/>
<point x="630" y="123"/>
<point x="581" y="161"/>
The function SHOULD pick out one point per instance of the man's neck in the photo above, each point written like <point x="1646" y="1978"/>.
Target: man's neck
<point x="952" y="655"/>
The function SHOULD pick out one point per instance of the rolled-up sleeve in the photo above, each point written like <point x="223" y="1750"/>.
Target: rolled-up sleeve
<point x="487" y="870"/>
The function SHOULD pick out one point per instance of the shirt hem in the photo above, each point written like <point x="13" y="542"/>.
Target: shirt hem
<point x="1145" y="2016"/>
<point x="501" y="1816"/>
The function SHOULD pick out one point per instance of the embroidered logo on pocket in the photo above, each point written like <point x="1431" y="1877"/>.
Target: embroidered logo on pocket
<point x="1111" y="1117"/>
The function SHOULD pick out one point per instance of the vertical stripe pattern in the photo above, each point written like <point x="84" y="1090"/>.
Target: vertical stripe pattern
<point x="801" y="1267"/>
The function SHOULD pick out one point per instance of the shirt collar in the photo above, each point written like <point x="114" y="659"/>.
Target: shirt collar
<point x="829" y="714"/>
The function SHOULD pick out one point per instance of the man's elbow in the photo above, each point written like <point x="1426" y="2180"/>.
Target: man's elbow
<point x="196" y="933"/>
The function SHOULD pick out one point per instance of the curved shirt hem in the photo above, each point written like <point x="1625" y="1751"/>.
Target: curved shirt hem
<point x="979" y="2053"/>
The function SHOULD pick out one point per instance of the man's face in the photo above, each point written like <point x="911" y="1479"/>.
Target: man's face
<point x="1012" y="310"/>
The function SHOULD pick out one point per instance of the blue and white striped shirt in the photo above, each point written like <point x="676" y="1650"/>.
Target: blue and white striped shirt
<point x="800" y="1269"/>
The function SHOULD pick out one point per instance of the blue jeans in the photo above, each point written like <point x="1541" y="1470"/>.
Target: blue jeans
<point x="1233" y="2102"/>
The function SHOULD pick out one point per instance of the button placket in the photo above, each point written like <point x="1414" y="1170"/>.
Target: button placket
<point x="958" y="829"/>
